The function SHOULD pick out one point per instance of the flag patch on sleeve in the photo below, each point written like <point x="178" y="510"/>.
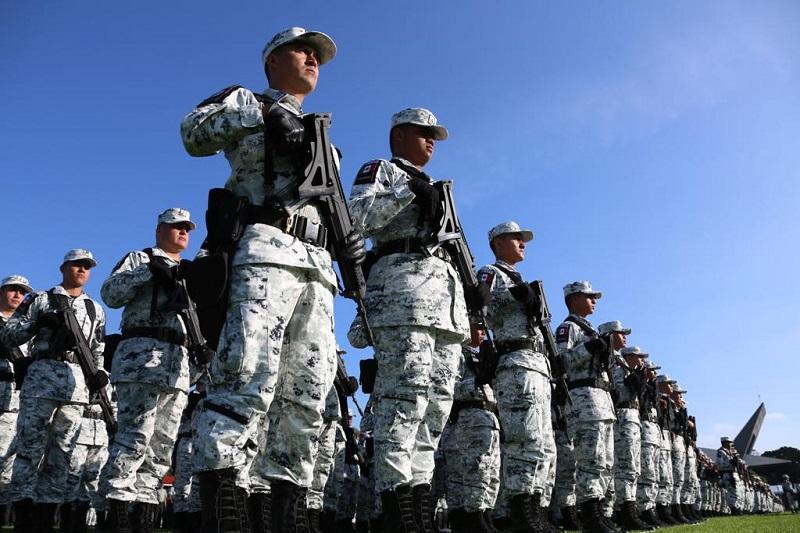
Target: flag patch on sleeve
<point x="368" y="172"/>
<point x="562" y="334"/>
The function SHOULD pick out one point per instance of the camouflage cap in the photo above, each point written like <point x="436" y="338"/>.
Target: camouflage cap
<point x="634" y="350"/>
<point x="510" y="227"/>
<point x="677" y="388"/>
<point x="723" y="440"/>
<point x="664" y="378"/>
<point x="176" y="215"/>
<point x="651" y="365"/>
<point x="16" y="279"/>
<point x="323" y="44"/>
<point x="582" y="287"/>
<point x="421" y="117"/>
<point x="615" y="326"/>
<point x="79" y="254"/>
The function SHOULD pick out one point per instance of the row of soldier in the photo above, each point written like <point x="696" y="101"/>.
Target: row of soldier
<point x="266" y="274"/>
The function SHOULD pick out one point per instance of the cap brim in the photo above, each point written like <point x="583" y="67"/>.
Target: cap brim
<point x="26" y="287"/>
<point x="92" y="261"/>
<point x="324" y="45"/>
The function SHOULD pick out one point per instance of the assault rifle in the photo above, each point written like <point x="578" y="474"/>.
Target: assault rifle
<point x="347" y="386"/>
<point x="541" y="320"/>
<point x="181" y="302"/>
<point x="322" y="183"/>
<point x="18" y="361"/>
<point x="450" y="236"/>
<point x="96" y="379"/>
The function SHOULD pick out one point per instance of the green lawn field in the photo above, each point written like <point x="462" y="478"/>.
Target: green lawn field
<point x="782" y="523"/>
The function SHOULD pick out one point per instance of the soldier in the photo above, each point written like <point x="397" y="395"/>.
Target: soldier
<point x="581" y="301"/>
<point x="472" y="457"/>
<point x="13" y="363"/>
<point x="522" y="381"/>
<point x="55" y="391"/>
<point x="415" y="305"/>
<point x="590" y="421"/>
<point x="677" y="430"/>
<point x="276" y="351"/>
<point x="186" y="497"/>
<point x="665" y="471"/>
<point x="628" y="378"/>
<point x="647" y="490"/>
<point x="728" y="463"/>
<point x="150" y="372"/>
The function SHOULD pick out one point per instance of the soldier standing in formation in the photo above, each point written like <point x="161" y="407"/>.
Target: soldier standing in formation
<point x="647" y="491"/>
<point x="276" y="355"/>
<point x="150" y="372"/>
<point x="415" y="305"/>
<point x="55" y="392"/>
<point x="522" y="381"/>
<point x="13" y="363"/>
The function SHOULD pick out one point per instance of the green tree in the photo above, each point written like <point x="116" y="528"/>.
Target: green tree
<point x="784" y="452"/>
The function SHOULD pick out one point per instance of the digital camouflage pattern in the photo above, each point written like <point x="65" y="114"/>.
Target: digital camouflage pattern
<point x="691" y="484"/>
<point x="647" y="491"/>
<point x="627" y="435"/>
<point x="417" y="371"/>
<point x="88" y="458"/>
<point x="594" y="456"/>
<point x="678" y="466"/>
<point x="9" y="408"/>
<point x="665" y="469"/>
<point x="186" y="492"/>
<point x="323" y="463"/>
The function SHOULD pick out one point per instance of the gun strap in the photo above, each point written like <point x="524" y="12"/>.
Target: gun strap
<point x="515" y="276"/>
<point x="583" y="324"/>
<point x="62" y="303"/>
<point x="416" y="173"/>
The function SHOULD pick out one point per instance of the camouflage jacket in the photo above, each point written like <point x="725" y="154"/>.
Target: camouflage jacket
<point x="49" y="378"/>
<point x="403" y="289"/>
<point x="143" y="359"/>
<point x="508" y="320"/>
<point x="232" y="122"/>
<point x="9" y="395"/>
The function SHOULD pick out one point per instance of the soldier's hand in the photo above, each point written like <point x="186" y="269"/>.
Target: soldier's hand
<point x="283" y="130"/>
<point x="164" y="274"/>
<point x="477" y="297"/>
<point x="427" y="196"/>
<point x="523" y="292"/>
<point x="597" y="346"/>
<point x="634" y="381"/>
<point x="355" y="249"/>
<point x="51" y="320"/>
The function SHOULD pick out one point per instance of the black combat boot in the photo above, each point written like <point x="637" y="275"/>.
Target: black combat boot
<point x="689" y="512"/>
<point x="376" y="524"/>
<point x="423" y="508"/>
<point x="678" y="515"/>
<point x="665" y="515"/>
<point x="629" y="518"/>
<point x="65" y="524"/>
<point x="259" y="507"/>
<point x="23" y="516"/>
<point x="569" y="518"/>
<point x="488" y="519"/>
<point x="526" y="514"/>
<point x="313" y="521"/>
<point x="591" y="518"/>
<point x="143" y="517"/>
<point x="224" y="504"/>
<point x="79" y="512"/>
<point x="398" y="510"/>
<point x="457" y="518"/>
<point x="343" y="526"/>
<point x="649" y="517"/>
<point x="289" y="513"/>
<point x="362" y="526"/>
<point x="44" y="516"/>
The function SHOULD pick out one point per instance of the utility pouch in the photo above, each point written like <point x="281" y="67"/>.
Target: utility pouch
<point x="226" y="218"/>
<point x="369" y="369"/>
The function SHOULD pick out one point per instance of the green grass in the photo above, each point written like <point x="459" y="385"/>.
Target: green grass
<point x="782" y="523"/>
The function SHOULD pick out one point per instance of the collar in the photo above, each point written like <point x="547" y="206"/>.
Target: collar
<point x="504" y="264"/>
<point x="580" y="319"/>
<point x="284" y="99"/>
<point x="58" y="289"/>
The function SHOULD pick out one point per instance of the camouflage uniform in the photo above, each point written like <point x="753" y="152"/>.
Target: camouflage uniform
<point x="415" y="305"/>
<point x="9" y="408"/>
<point x="186" y="494"/>
<point x="731" y="481"/>
<point x="323" y="463"/>
<point x="151" y="378"/>
<point x="650" y="454"/>
<point x="522" y="385"/>
<point x="472" y="454"/>
<point x="665" y="471"/>
<point x="88" y="458"/>
<point x="678" y="466"/>
<point x="276" y="351"/>
<point x="53" y="397"/>
<point x="691" y="486"/>
<point x="627" y="435"/>
<point x="590" y="422"/>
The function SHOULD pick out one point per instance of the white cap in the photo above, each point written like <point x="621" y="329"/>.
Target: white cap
<point x="420" y="116"/>
<point x="176" y="215"/>
<point x="323" y="44"/>
<point x="79" y="254"/>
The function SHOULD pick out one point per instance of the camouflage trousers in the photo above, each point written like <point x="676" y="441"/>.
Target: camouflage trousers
<point x="84" y="474"/>
<point x="8" y="443"/>
<point x="472" y="461"/>
<point x="186" y="491"/>
<point x="665" y="469"/>
<point x="276" y="358"/>
<point x="627" y="454"/>
<point x="46" y="435"/>
<point x="528" y="449"/>
<point x="647" y="489"/>
<point x="691" y="484"/>
<point x="417" y="371"/>
<point x="148" y="417"/>
<point x="323" y="463"/>
<point x="678" y="467"/>
<point x="368" y="506"/>
<point x="594" y="457"/>
<point x="565" y="469"/>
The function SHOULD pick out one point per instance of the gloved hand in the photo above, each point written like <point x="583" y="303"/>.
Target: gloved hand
<point x="634" y="381"/>
<point x="477" y="297"/>
<point x="597" y="346"/>
<point x="523" y="292"/>
<point x="427" y="196"/>
<point x="164" y="274"/>
<point x="355" y="249"/>
<point x="50" y="320"/>
<point x="283" y="130"/>
<point x="98" y="381"/>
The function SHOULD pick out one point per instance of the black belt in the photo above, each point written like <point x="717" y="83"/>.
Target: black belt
<point x="160" y="334"/>
<point x="225" y="411"/>
<point x="628" y="405"/>
<point x="93" y="416"/>
<point x="513" y="345"/>
<point x="6" y="376"/>
<point x="408" y="246"/>
<point x="595" y="383"/>
<point x="294" y="225"/>
<point x="458" y="405"/>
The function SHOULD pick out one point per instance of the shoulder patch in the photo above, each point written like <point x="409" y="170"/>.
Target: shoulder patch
<point x="367" y="172"/>
<point x="486" y="276"/>
<point x="562" y="333"/>
<point x="217" y="98"/>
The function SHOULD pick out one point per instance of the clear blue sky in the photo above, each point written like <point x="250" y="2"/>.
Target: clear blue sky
<point x="653" y="148"/>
